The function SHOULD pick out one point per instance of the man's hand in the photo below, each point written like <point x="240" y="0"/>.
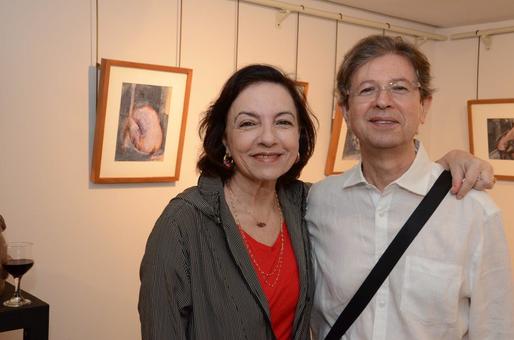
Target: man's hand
<point x="468" y="172"/>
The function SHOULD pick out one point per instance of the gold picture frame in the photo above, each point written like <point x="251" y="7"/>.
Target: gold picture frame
<point x="140" y="122"/>
<point x="303" y="87"/>
<point x="343" y="150"/>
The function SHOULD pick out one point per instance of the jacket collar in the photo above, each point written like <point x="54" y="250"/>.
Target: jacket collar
<point x="212" y="203"/>
<point x="210" y="200"/>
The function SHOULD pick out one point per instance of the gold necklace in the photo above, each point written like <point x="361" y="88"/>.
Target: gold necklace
<point x="277" y="265"/>
<point x="260" y="224"/>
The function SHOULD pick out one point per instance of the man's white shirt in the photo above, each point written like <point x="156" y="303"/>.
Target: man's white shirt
<point x="453" y="282"/>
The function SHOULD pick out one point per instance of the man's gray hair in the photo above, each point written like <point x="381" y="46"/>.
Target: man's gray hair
<point x="376" y="46"/>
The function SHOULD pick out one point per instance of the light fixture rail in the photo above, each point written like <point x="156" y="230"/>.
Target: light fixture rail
<point x="284" y="9"/>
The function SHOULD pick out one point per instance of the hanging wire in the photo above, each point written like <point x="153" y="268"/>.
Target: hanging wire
<point x="96" y="64"/>
<point x="179" y="34"/>
<point x="236" y="43"/>
<point x="478" y="65"/>
<point x="96" y="33"/>
<point x="297" y="45"/>
<point x="335" y="72"/>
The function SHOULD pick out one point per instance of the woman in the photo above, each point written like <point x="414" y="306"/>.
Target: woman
<point x="229" y="258"/>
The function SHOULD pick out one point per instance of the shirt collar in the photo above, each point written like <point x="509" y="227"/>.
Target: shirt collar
<point x="416" y="179"/>
<point x="355" y="177"/>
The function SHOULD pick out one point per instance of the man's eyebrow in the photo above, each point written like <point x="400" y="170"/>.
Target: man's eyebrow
<point x="389" y="81"/>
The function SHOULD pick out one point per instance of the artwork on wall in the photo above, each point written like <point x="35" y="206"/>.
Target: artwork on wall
<point x="140" y="122"/>
<point x="491" y="133"/>
<point x="303" y="87"/>
<point x="343" y="150"/>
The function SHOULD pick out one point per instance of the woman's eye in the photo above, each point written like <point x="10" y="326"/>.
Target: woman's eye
<point x="246" y="123"/>
<point x="285" y="122"/>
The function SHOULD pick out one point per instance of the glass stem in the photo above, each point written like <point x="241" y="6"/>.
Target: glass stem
<point x="17" y="281"/>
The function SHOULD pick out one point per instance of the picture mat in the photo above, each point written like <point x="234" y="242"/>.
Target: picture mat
<point x="480" y="114"/>
<point x="177" y="83"/>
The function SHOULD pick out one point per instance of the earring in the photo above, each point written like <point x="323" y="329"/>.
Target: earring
<point x="228" y="161"/>
<point x="297" y="157"/>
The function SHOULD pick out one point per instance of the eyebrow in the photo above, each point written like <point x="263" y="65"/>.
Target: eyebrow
<point x="285" y="113"/>
<point x="254" y="115"/>
<point x="389" y="81"/>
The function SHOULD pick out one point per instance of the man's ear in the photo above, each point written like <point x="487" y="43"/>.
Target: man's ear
<point x="344" y="111"/>
<point x="425" y="106"/>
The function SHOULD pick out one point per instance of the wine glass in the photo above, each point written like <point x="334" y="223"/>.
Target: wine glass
<point x="19" y="261"/>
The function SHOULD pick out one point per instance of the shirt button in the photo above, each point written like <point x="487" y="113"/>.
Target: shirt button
<point x="381" y="303"/>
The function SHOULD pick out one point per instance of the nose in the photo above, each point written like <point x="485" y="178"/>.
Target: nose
<point x="267" y="136"/>
<point x="383" y="99"/>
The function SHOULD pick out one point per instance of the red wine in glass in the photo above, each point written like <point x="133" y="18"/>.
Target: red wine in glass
<point x="19" y="261"/>
<point x="18" y="267"/>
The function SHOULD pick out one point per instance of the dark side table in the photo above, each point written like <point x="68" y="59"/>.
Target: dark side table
<point x="32" y="318"/>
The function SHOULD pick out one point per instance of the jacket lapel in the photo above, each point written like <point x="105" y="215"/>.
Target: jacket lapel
<point x="237" y="248"/>
<point x="292" y="203"/>
<point x="241" y="257"/>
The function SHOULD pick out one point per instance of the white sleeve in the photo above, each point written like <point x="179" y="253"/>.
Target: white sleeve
<point x="492" y="298"/>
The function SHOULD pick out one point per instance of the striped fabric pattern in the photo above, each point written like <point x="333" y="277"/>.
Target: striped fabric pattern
<point x="197" y="279"/>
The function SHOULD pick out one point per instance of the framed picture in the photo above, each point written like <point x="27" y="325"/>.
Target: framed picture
<point x="343" y="150"/>
<point x="140" y="122"/>
<point x="491" y="134"/>
<point x="303" y="87"/>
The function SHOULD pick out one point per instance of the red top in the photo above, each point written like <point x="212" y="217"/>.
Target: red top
<point x="282" y="287"/>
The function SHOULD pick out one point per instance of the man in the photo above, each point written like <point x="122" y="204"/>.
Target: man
<point x="454" y="281"/>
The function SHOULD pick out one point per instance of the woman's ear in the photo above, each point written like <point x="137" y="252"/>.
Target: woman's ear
<point x="227" y="150"/>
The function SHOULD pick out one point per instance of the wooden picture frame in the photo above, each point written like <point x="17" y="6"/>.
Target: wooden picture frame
<point x="140" y="122"/>
<point x="491" y="134"/>
<point x="343" y="150"/>
<point x="303" y="87"/>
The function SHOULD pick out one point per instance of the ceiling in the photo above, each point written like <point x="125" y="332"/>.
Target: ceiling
<point x="439" y="13"/>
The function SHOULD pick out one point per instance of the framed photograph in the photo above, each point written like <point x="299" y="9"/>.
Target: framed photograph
<point x="140" y="122"/>
<point x="303" y="87"/>
<point x="491" y="133"/>
<point x="344" y="149"/>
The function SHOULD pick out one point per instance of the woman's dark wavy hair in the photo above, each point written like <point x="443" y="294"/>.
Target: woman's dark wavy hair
<point x="213" y="124"/>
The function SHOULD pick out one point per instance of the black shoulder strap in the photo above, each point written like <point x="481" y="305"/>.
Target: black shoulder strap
<point x="391" y="256"/>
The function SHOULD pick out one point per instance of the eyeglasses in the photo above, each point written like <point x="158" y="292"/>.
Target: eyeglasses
<point x="370" y="90"/>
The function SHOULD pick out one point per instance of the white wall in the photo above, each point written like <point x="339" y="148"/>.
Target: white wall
<point x="89" y="239"/>
<point x="456" y="65"/>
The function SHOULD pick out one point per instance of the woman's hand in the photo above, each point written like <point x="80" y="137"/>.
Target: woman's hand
<point x="468" y="172"/>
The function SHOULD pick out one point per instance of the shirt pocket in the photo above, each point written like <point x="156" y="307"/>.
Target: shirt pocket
<point x="431" y="290"/>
